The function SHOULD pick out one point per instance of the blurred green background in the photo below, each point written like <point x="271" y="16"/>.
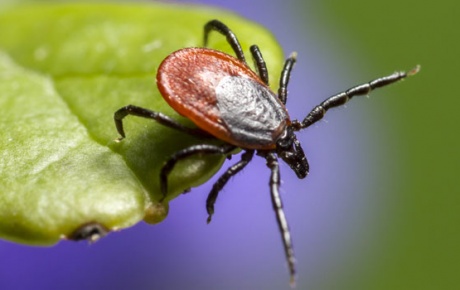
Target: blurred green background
<point x="423" y="249"/>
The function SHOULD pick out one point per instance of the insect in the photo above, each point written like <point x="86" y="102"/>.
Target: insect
<point x="227" y="100"/>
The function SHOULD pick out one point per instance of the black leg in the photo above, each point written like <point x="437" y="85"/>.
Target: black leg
<point x="231" y="37"/>
<point x="341" y="98"/>
<point x="285" y="75"/>
<point x="272" y="163"/>
<point x="159" y="117"/>
<point x="259" y="63"/>
<point x="223" y="179"/>
<point x="187" y="152"/>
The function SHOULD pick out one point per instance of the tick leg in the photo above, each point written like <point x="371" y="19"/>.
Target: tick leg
<point x="231" y="37"/>
<point x="259" y="63"/>
<point x="285" y="75"/>
<point x="341" y="98"/>
<point x="223" y="179"/>
<point x="159" y="117"/>
<point x="187" y="152"/>
<point x="272" y="163"/>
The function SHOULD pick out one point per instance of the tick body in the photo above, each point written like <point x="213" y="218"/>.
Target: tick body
<point x="226" y="100"/>
<point x="223" y="97"/>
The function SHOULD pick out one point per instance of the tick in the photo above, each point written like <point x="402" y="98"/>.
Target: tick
<point x="228" y="101"/>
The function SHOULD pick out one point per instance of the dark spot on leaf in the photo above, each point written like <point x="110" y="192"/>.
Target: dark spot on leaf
<point x="91" y="232"/>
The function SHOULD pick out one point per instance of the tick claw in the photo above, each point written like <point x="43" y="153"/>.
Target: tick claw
<point x="209" y="219"/>
<point x="413" y="71"/>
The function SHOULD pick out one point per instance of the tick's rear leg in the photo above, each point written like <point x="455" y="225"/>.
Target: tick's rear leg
<point x="259" y="63"/>
<point x="157" y="116"/>
<point x="285" y="75"/>
<point x="231" y="37"/>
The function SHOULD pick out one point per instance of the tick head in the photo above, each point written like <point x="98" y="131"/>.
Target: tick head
<point x="289" y="149"/>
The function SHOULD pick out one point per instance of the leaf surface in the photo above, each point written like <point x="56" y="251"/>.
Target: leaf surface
<point x="64" y="70"/>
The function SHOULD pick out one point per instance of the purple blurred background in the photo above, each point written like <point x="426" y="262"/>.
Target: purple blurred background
<point x="333" y="214"/>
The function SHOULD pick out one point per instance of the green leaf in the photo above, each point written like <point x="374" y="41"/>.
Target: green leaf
<point x="64" y="70"/>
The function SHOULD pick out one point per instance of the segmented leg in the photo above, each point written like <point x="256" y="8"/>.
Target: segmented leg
<point x="187" y="152"/>
<point x="159" y="117"/>
<point x="231" y="37"/>
<point x="285" y="75"/>
<point x="272" y="163"/>
<point x="223" y="179"/>
<point x="259" y="63"/>
<point x="341" y="98"/>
